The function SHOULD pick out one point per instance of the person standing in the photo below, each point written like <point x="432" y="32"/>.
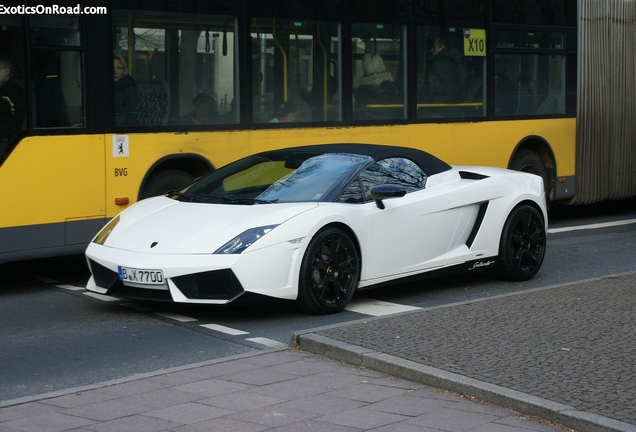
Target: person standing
<point x="126" y="104"/>
<point x="446" y="79"/>
<point x="12" y="104"/>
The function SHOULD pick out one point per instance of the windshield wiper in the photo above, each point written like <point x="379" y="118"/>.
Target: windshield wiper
<point x="184" y="195"/>
<point x="233" y="199"/>
<point x="244" y="200"/>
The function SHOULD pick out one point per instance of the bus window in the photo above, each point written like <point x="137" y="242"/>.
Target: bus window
<point x="379" y="82"/>
<point x="534" y="12"/>
<point x="178" y="69"/>
<point x="295" y="76"/>
<point x="451" y="72"/>
<point x="13" y="99"/>
<point x="56" y="71"/>
<point x="530" y="84"/>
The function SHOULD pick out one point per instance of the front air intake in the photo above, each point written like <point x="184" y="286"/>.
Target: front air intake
<point x="104" y="278"/>
<point x="213" y="285"/>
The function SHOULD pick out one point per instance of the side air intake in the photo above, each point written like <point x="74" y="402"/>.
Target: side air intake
<point x="467" y="175"/>
<point x="480" y="218"/>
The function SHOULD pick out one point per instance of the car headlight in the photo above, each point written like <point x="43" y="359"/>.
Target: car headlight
<point x="105" y="232"/>
<point x="244" y="240"/>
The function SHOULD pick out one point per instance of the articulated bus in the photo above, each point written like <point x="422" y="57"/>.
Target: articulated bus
<point x="105" y="103"/>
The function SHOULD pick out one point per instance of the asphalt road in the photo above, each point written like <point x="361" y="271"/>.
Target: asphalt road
<point x="56" y="336"/>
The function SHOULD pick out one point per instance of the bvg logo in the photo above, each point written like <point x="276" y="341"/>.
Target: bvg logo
<point x="121" y="172"/>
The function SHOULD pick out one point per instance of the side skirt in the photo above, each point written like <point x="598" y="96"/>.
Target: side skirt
<point x="468" y="266"/>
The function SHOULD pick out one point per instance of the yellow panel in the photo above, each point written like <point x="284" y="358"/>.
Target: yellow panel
<point x="478" y="143"/>
<point x="53" y="178"/>
<point x="56" y="178"/>
<point x="124" y="175"/>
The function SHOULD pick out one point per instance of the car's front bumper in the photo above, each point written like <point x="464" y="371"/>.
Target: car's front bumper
<point x="200" y="278"/>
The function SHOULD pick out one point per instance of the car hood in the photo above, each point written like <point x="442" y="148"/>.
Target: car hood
<point x="162" y="225"/>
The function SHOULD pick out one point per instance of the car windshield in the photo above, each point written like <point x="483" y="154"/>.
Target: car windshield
<point x="276" y="178"/>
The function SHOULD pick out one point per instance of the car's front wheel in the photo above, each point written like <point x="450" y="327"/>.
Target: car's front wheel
<point x="329" y="272"/>
<point x="522" y="244"/>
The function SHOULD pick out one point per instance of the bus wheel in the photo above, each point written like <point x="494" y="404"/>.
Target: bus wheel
<point x="164" y="181"/>
<point x="530" y="162"/>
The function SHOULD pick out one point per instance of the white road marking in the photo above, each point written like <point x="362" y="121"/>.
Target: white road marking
<point x="101" y="297"/>
<point x="71" y="287"/>
<point x="592" y="226"/>
<point x="377" y="307"/>
<point x="267" y="342"/>
<point x="176" y="317"/>
<point x="223" y="329"/>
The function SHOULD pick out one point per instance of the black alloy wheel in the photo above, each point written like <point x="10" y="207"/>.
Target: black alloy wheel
<point x="329" y="273"/>
<point x="522" y="245"/>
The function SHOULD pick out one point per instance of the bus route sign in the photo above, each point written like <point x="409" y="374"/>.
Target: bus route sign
<point x="475" y="42"/>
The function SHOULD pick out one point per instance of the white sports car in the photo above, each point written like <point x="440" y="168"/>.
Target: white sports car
<point x="314" y="224"/>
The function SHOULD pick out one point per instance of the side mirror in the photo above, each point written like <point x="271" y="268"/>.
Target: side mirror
<point x="385" y="191"/>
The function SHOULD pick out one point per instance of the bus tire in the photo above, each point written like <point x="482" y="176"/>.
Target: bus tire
<point x="165" y="180"/>
<point x="530" y="162"/>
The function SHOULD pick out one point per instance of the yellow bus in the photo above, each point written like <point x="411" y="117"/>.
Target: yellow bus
<point x="104" y="103"/>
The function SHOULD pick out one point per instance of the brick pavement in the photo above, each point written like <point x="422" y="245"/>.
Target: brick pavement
<point x="573" y="345"/>
<point x="281" y="391"/>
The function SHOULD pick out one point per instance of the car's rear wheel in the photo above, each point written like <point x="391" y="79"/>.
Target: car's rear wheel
<point x="329" y="272"/>
<point x="522" y="244"/>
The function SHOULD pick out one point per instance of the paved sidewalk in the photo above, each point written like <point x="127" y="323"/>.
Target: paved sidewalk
<point x="288" y="390"/>
<point x="566" y="353"/>
<point x="563" y="353"/>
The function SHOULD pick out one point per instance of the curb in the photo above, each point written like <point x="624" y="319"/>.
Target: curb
<point x="524" y="403"/>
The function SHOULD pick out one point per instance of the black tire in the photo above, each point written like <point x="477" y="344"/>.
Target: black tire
<point x="165" y="180"/>
<point x="530" y="162"/>
<point x="522" y="245"/>
<point x="329" y="273"/>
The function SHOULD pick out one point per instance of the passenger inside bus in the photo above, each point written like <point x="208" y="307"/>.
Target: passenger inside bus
<point x="13" y="102"/>
<point x="286" y="113"/>
<point x="126" y="103"/>
<point x="445" y="80"/>
<point x="375" y="87"/>
<point x="204" y="112"/>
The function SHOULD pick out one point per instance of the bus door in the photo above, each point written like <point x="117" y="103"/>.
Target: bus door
<point x="57" y="170"/>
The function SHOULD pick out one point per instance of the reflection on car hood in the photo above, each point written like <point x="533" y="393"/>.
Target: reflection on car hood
<point x="193" y="228"/>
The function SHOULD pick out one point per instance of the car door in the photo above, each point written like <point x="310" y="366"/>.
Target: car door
<point x="412" y="233"/>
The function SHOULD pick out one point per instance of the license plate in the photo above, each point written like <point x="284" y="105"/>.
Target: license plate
<point x="140" y="276"/>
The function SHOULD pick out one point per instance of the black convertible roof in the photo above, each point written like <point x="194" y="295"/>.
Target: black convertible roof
<point x="429" y="163"/>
